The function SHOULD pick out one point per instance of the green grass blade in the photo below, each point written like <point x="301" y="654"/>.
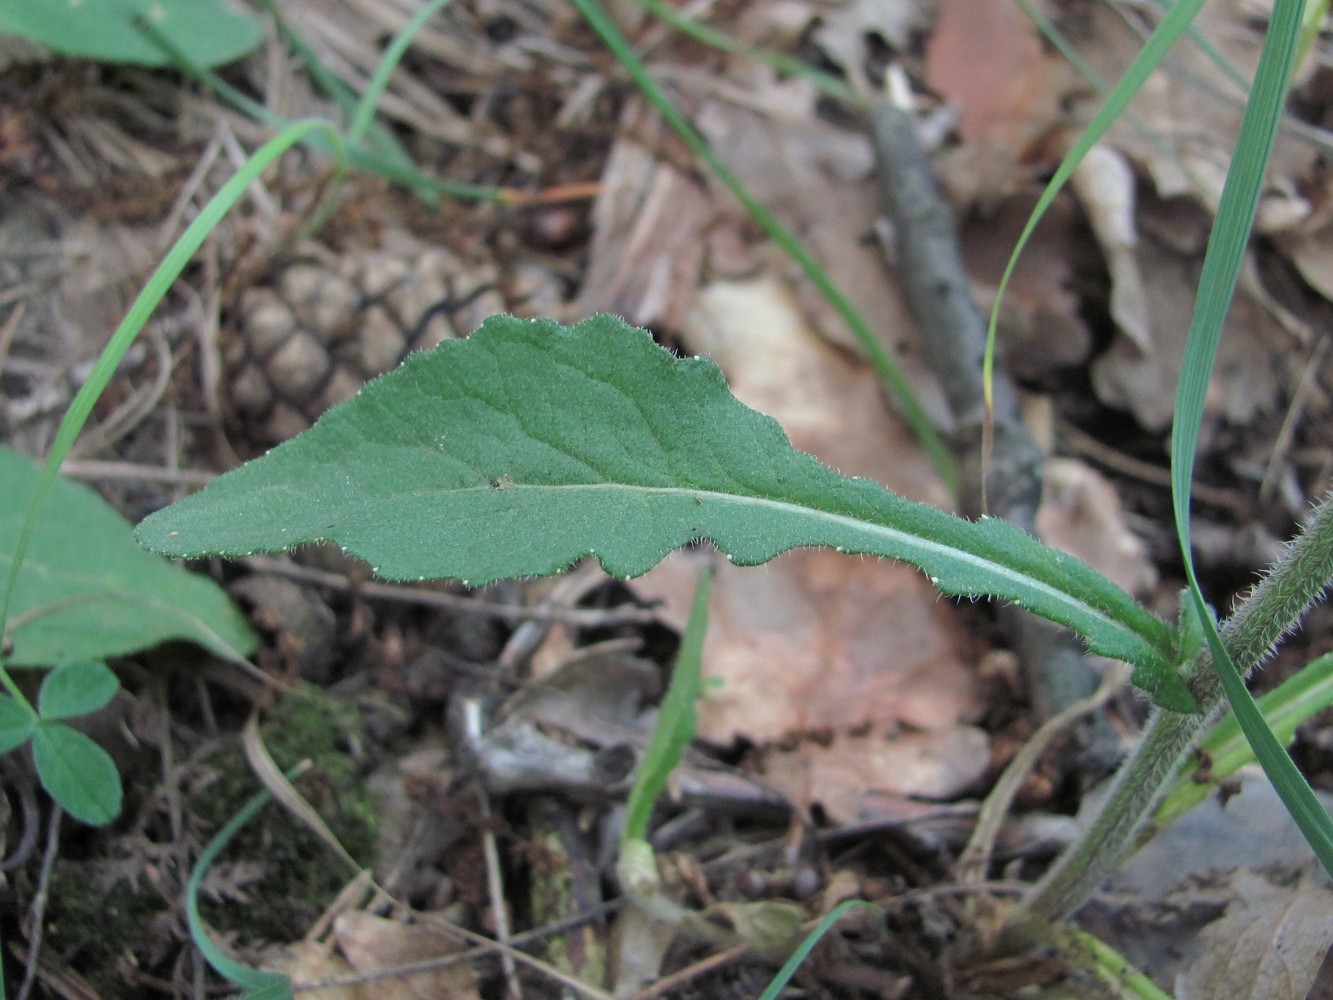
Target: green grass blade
<point x="1217" y="283"/>
<point x="880" y="358"/>
<point x="395" y="166"/>
<point x="257" y="983"/>
<point x="1225" y="750"/>
<point x="676" y="719"/>
<point x="1176" y="23"/>
<point x="1062" y="45"/>
<point x="382" y="142"/>
<point x="1215" y="55"/>
<point x="827" y="83"/>
<point x="107" y="362"/>
<point x="789" y="968"/>
<point x="364" y="115"/>
<point x="1110" y="967"/>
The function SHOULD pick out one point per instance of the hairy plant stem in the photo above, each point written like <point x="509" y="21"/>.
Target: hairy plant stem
<point x="1295" y="581"/>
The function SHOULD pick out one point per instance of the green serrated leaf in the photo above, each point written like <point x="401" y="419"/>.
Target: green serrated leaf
<point x="208" y="32"/>
<point x="74" y="689"/>
<point x="77" y="773"/>
<point x="17" y="722"/>
<point x="87" y="591"/>
<point x="530" y="445"/>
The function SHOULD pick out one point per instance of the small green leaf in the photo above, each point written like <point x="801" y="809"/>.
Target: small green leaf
<point x="17" y="722"/>
<point x="77" y="773"/>
<point x="529" y="445"/>
<point x="86" y="591"/>
<point x="208" y="32"/>
<point x="78" y="688"/>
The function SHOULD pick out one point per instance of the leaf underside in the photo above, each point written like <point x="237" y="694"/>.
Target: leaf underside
<point x="530" y="445"/>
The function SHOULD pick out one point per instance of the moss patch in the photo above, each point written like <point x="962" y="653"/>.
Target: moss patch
<point x="298" y="875"/>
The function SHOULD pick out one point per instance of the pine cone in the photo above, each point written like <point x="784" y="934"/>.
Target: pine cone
<point x="325" y="326"/>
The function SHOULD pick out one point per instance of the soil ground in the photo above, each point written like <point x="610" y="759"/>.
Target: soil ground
<point x="823" y="772"/>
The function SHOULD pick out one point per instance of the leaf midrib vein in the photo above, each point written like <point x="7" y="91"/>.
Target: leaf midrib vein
<point x="939" y="549"/>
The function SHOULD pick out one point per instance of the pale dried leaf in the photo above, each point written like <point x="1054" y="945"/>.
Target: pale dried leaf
<point x="1080" y="513"/>
<point x="1104" y="184"/>
<point x="372" y="943"/>
<point x="844" y="31"/>
<point x="987" y="58"/>
<point x="648" y="229"/>
<point x="829" y="404"/>
<point x="314" y="962"/>
<point x="1191" y="106"/>
<point x="1313" y="256"/>
<point x="815" y="640"/>
<point x="852" y="775"/>
<point x="1269" y="946"/>
<point x="1246" y="380"/>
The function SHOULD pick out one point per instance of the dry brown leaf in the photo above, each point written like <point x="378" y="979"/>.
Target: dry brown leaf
<point x="819" y="180"/>
<point x="850" y="775"/>
<point x="1040" y="326"/>
<point x="816" y="640"/>
<point x="648" y="228"/>
<point x="1191" y="106"/>
<point x="1268" y="946"/>
<point x="1247" y="378"/>
<point x="373" y="943"/>
<point x="987" y="58"/>
<point x="1080" y="513"/>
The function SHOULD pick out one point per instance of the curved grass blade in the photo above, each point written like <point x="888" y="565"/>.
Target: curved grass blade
<point x="1217" y="283"/>
<point x="780" y="981"/>
<point x="258" y="984"/>
<point x="81" y="406"/>
<point x="1176" y="23"/>
<point x="827" y="83"/>
<point x="531" y="445"/>
<point x="364" y="115"/>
